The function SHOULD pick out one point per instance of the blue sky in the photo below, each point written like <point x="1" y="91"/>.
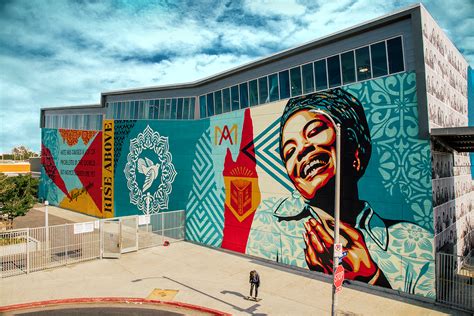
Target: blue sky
<point x="56" y="53"/>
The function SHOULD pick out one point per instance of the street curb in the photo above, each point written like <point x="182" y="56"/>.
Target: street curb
<point x="126" y="300"/>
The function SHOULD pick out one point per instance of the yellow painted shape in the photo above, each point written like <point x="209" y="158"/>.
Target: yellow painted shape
<point x="82" y="202"/>
<point x="14" y="167"/>
<point x="162" y="295"/>
<point x="254" y="196"/>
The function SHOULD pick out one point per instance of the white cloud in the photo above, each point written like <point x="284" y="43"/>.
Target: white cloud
<point x="274" y="7"/>
<point x="56" y="53"/>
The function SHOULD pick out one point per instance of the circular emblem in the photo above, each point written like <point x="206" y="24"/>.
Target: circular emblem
<point x="149" y="157"/>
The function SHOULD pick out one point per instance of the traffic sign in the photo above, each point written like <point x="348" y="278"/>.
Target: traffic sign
<point x="339" y="277"/>
<point x="338" y="249"/>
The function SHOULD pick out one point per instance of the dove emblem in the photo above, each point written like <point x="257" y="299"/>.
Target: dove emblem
<point x="150" y="170"/>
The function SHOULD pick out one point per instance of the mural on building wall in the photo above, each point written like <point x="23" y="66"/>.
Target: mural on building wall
<point x="149" y="158"/>
<point x="452" y="201"/>
<point x="260" y="181"/>
<point x="384" y="245"/>
<point x="152" y="165"/>
<point x="446" y="77"/>
<point x="71" y="170"/>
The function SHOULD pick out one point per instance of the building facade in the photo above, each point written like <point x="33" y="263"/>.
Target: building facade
<point x="250" y="154"/>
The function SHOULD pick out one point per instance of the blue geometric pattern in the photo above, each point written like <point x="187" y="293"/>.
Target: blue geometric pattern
<point x="267" y="154"/>
<point x="205" y="207"/>
<point x="403" y="159"/>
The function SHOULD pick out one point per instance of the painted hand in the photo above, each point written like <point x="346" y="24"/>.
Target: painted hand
<point x="358" y="264"/>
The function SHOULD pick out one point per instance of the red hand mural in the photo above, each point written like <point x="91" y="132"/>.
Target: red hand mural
<point x="242" y="192"/>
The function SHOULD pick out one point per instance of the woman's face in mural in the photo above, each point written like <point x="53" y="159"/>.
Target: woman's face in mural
<point x="309" y="153"/>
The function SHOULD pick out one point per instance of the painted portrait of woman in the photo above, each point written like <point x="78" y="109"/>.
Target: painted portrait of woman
<point x="302" y="232"/>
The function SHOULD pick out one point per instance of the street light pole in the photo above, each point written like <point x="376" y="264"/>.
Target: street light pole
<point x="337" y="205"/>
<point x="46" y="224"/>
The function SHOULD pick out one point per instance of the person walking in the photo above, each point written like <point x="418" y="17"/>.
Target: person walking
<point x="254" y="280"/>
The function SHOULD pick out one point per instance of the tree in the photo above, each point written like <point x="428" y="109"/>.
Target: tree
<point x="23" y="152"/>
<point x="17" y="196"/>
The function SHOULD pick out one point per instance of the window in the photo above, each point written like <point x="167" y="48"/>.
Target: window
<point x="234" y="96"/>
<point x="119" y="110"/>
<point x="226" y="100"/>
<point x="141" y="110"/>
<point x="179" y="113"/>
<point x="173" y="109"/>
<point x="156" y="109"/>
<point x="334" y="71"/>
<point x="348" y="67"/>
<point x="161" y="114"/>
<point x="395" y="55"/>
<point x="308" y="78"/>
<point x="295" y="80"/>
<point x="218" y="102"/>
<point x="151" y="109"/>
<point x="131" y="108"/>
<point x="379" y="59"/>
<point x="363" y="63"/>
<point x="210" y="104"/>
<point x="244" y="96"/>
<point x="87" y="122"/>
<point x="185" y="108"/>
<point x="273" y="87"/>
<point x="320" y="75"/>
<point x="284" y="84"/>
<point x="202" y="106"/>
<point x="262" y="90"/>
<point x="167" y="109"/>
<point x="253" y="93"/>
<point x="191" y="108"/>
<point x="126" y="110"/>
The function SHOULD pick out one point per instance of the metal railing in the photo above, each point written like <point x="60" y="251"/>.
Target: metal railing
<point x="454" y="280"/>
<point x="154" y="230"/>
<point x="34" y="249"/>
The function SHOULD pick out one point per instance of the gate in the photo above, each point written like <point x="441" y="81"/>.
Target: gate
<point x="111" y="238"/>
<point x="129" y="234"/>
<point x="119" y="235"/>
<point x="454" y="280"/>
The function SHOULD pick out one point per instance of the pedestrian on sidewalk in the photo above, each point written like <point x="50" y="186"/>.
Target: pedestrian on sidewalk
<point x="254" y="280"/>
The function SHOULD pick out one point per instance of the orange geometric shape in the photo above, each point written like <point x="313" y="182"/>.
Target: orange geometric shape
<point x="71" y="136"/>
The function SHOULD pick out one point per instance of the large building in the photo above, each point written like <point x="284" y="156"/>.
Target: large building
<point x="250" y="153"/>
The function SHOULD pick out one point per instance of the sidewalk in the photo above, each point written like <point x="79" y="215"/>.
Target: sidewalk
<point x="205" y="277"/>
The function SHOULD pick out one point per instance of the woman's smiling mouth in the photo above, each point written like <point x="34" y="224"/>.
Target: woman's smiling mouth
<point x="314" y="165"/>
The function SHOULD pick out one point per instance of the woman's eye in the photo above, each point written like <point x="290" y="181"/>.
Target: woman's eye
<point x="313" y="131"/>
<point x="289" y="153"/>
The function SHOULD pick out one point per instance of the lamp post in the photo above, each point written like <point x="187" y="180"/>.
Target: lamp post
<point x="337" y="201"/>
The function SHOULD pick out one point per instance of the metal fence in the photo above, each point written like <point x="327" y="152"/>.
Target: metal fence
<point x="34" y="249"/>
<point x="454" y="280"/>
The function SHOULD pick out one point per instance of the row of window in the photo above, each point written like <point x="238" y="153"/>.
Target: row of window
<point x="364" y="63"/>
<point x="161" y="109"/>
<point x="74" y="121"/>
<point x="371" y="61"/>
